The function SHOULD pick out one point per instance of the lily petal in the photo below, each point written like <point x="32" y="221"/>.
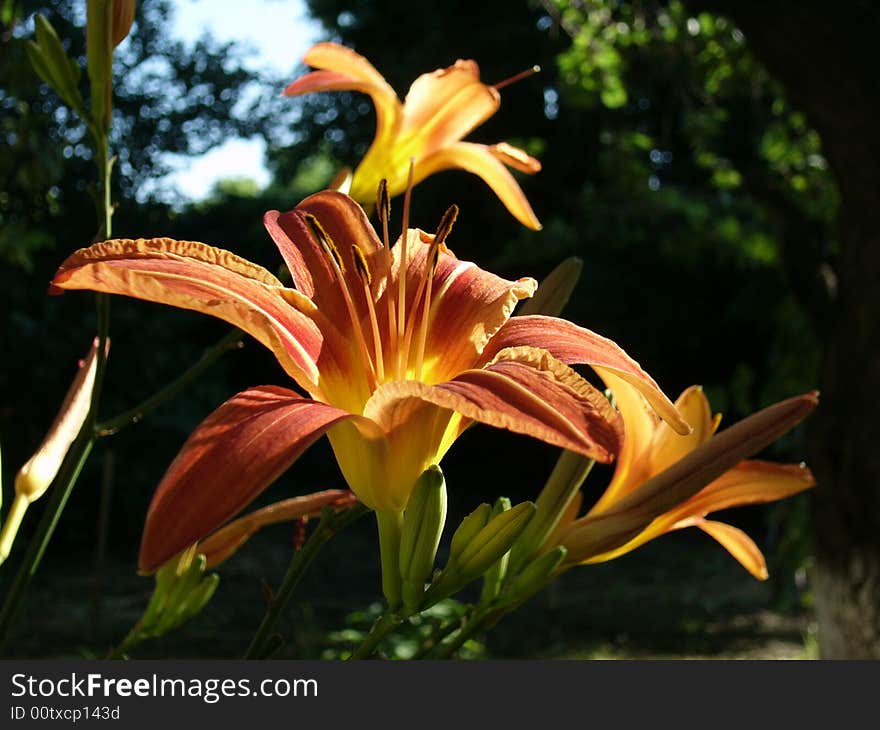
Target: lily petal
<point x="739" y="545"/>
<point x="445" y="105"/>
<point x="468" y="306"/>
<point x="210" y="280"/>
<point x="342" y="69"/>
<point x="485" y="162"/>
<point x="221" y="544"/>
<point x="575" y="345"/>
<point x="525" y="391"/>
<point x="668" y="446"/>
<point x="232" y="456"/>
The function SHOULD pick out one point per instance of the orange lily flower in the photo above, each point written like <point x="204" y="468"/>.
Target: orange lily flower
<point x="664" y="481"/>
<point x="440" y="109"/>
<point x="392" y="345"/>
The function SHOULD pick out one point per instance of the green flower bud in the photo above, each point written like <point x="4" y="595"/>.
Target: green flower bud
<point x="423" y="521"/>
<point x="468" y="529"/>
<point x="535" y="576"/>
<point x="494" y="577"/>
<point x="490" y="543"/>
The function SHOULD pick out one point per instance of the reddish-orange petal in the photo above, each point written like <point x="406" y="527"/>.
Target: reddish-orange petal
<point x="575" y="345"/>
<point x="232" y="456"/>
<point x="206" y="279"/>
<point x="468" y="306"/>
<point x="487" y="163"/>
<point x="220" y="545"/>
<point x="525" y="391"/>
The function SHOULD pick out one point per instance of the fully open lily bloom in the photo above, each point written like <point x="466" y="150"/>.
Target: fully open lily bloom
<point x="658" y="463"/>
<point x="399" y="350"/>
<point x="440" y="109"/>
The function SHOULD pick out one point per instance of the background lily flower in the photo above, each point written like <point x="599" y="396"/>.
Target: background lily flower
<point x="392" y="346"/>
<point x="651" y="459"/>
<point x="440" y="109"/>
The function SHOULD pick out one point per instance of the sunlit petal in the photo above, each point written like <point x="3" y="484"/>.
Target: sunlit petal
<point x="669" y="446"/>
<point x="575" y="345"/>
<point x="443" y="106"/>
<point x="738" y="544"/>
<point x="344" y="69"/>
<point x="210" y="280"/>
<point x="530" y="393"/>
<point x="480" y="160"/>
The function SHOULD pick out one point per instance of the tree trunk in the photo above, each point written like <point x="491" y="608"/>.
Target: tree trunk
<point x="823" y="55"/>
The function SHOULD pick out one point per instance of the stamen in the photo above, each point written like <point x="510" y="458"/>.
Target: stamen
<point x="383" y="210"/>
<point x="403" y="354"/>
<point x="360" y="264"/>
<point x="326" y="242"/>
<point x="445" y="225"/>
<point x="434" y="259"/>
<point x="517" y="77"/>
<point x="339" y="270"/>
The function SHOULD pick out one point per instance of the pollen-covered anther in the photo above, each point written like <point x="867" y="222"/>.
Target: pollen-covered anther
<point x="445" y="226"/>
<point x="383" y="202"/>
<point x="360" y="264"/>
<point x="323" y="238"/>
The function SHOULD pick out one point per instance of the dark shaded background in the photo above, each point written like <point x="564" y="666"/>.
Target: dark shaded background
<point x="675" y="165"/>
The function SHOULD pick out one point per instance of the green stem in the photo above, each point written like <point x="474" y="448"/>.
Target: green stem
<point x="329" y="525"/>
<point x="63" y="486"/>
<point x="478" y="620"/>
<point x="389" y="524"/>
<point x="380" y="630"/>
<point x="135" y="414"/>
<point x="435" y="639"/>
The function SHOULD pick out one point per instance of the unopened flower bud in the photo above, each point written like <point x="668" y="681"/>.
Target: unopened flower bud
<point x="423" y="521"/>
<point x="494" y="576"/>
<point x="468" y="529"/>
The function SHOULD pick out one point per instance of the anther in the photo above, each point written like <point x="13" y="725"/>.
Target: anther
<point x="445" y="225"/>
<point x="360" y="264"/>
<point x="324" y="239"/>
<point x="383" y="202"/>
<point x="517" y="77"/>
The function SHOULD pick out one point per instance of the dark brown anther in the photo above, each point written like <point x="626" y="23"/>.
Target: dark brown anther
<point x="323" y="238"/>
<point x="360" y="264"/>
<point x="445" y="225"/>
<point x="383" y="202"/>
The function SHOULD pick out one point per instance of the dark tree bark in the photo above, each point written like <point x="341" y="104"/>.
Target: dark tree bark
<point x="823" y="54"/>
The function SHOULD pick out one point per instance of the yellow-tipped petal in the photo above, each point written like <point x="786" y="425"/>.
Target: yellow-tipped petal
<point x="479" y="160"/>
<point x="739" y="545"/>
<point x="669" y="446"/>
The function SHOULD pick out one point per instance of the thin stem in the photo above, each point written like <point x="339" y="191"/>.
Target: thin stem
<point x="329" y="525"/>
<point x="478" y="620"/>
<point x="380" y="630"/>
<point x="64" y="483"/>
<point x="436" y="638"/>
<point x="135" y="414"/>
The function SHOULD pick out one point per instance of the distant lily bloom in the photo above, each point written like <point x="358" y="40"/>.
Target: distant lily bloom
<point x="400" y="350"/>
<point x="664" y="481"/>
<point x="440" y="109"/>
